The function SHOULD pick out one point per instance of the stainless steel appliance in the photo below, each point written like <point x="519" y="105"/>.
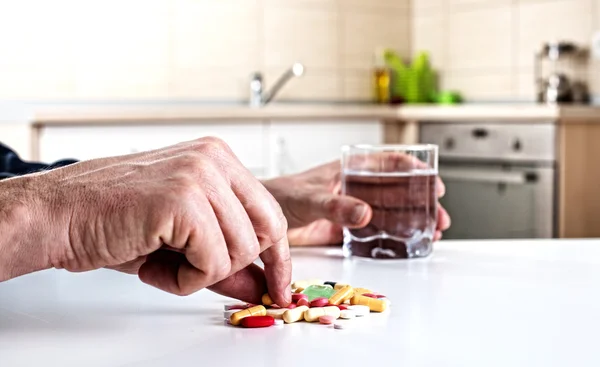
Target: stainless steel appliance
<point x="499" y="177"/>
<point x="561" y="84"/>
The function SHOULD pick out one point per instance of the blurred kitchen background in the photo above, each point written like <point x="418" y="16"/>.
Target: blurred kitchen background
<point x="506" y="88"/>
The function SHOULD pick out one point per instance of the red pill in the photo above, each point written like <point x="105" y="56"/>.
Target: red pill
<point x="292" y="305"/>
<point x="258" y="321"/>
<point x="341" y="307"/>
<point x="303" y="302"/>
<point x="370" y="295"/>
<point x="298" y="296"/>
<point x="380" y="296"/>
<point x="319" y="302"/>
<point x="326" y="320"/>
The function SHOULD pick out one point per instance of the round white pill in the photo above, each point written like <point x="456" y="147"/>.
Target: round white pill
<point x="347" y="314"/>
<point x="359" y="310"/>
<point x="279" y="322"/>
<point x="340" y="325"/>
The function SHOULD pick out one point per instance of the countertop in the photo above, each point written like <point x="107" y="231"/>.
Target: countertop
<point x="73" y="114"/>
<point x="480" y="303"/>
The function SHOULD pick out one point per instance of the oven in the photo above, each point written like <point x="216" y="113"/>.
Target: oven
<point x="500" y="178"/>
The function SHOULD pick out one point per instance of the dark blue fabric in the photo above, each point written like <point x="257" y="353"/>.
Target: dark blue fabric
<point x="11" y="165"/>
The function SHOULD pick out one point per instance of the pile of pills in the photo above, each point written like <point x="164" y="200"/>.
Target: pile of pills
<point x="313" y="300"/>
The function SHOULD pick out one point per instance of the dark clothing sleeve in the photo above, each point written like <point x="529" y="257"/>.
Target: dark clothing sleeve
<point x="11" y="165"/>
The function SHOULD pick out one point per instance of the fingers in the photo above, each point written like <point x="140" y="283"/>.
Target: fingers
<point x="270" y="227"/>
<point x="238" y="230"/>
<point x="278" y="271"/>
<point x="343" y="210"/>
<point x="443" y="219"/>
<point x="248" y="284"/>
<point x="203" y="258"/>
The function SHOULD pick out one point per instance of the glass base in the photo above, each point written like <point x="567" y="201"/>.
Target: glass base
<point x="385" y="248"/>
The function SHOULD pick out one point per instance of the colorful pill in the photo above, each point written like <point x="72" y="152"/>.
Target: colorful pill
<point x="297" y="314"/>
<point x="341" y="307"/>
<point x="276" y="313"/>
<point x="314" y="313"/>
<point x="359" y="310"/>
<point x="370" y="295"/>
<point x="319" y="302"/>
<point x="362" y="291"/>
<point x="340" y="325"/>
<point x="339" y="286"/>
<point x="326" y="320"/>
<point x="299" y="284"/>
<point x="236" y="306"/>
<point x="305" y="283"/>
<point x="298" y="290"/>
<point x="298" y="296"/>
<point x="227" y="314"/>
<point x="341" y="295"/>
<point x="237" y="317"/>
<point x="347" y="314"/>
<point x="266" y="300"/>
<point x="374" y="304"/>
<point x="303" y="302"/>
<point x="257" y="321"/>
<point x="332" y="284"/>
<point x="292" y="306"/>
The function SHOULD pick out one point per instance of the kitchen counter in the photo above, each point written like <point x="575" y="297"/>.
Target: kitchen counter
<point x="156" y="113"/>
<point x="485" y="303"/>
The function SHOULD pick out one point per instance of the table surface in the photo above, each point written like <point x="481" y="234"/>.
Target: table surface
<point x="480" y="303"/>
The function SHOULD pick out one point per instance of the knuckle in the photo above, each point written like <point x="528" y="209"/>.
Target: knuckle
<point x="212" y="145"/>
<point x="279" y="226"/>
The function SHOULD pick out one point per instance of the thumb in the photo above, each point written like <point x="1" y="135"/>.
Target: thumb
<point x="343" y="210"/>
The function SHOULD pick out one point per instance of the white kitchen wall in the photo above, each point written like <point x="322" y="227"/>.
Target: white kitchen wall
<point x="485" y="48"/>
<point x="193" y="49"/>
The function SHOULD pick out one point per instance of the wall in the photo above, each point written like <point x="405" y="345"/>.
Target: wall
<point x="192" y="49"/>
<point x="485" y="47"/>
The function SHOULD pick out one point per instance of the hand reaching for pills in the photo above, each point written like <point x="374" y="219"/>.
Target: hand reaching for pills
<point x="316" y="212"/>
<point x="184" y="218"/>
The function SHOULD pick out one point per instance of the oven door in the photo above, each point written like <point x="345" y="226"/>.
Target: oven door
<point x="498" y="202"/>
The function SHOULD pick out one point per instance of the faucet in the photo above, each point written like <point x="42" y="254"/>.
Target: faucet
<point x="258" y="97"/>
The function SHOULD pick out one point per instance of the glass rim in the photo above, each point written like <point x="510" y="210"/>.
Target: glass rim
<point x="399" y="147"/>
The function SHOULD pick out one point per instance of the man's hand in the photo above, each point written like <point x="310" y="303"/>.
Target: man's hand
<point x="187" y="217"/>
<point x="316" y="212"/>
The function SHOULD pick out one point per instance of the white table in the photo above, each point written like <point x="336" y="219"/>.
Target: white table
<point x="505" y="303"/>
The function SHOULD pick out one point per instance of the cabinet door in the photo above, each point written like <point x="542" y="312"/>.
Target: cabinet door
<point x="247" y="140"/>
<point x="300" y="145"/>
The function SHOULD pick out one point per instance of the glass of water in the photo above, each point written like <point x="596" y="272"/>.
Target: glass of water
<point x="399" y="183"/>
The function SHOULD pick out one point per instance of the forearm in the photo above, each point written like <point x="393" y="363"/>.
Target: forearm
<point x="22" y="247"/>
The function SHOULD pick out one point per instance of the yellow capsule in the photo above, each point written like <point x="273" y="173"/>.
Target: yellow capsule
<point x="339" y="296"/>
<point x="266" y="300"/>
<point x="362" y="291"/>
<point x="339" y="286"/>
<point x="298" y="290"/>
<point x="314" y="313"/>
<point x="295" y="314"/>
<point x="374" y="304"/>
<point x="276" y="313"/>
<point x="237" y="317"/>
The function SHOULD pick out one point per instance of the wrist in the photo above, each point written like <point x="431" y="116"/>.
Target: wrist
<point x="22" y="248"/>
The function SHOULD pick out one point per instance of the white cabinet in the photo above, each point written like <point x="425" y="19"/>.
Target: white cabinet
<point x="300" y="145"/>
<point x="247" y="140"/>
<point x="267" y="149"/>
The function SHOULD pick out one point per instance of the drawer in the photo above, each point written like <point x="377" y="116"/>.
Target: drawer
<point x="88" y="142"/>
<point x="499" y="141"/>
